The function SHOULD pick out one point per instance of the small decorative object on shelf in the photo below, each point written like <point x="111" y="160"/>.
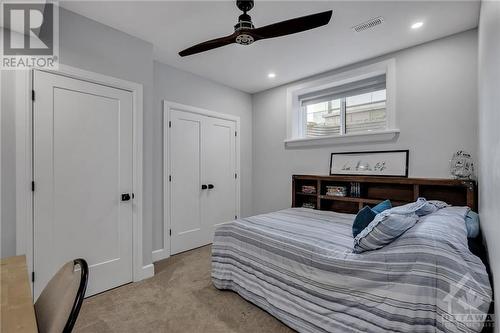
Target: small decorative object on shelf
<point x="355" y="190"/>
<point x="461" y="165"/>
<point x="308" y="205"/>
<point x="308" y="189"/>
<point x="336" y="191"/>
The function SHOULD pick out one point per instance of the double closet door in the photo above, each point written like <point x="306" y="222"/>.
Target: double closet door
<point x="203" y="179"/>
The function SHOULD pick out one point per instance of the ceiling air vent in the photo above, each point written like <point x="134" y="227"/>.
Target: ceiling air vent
<point x="368" y="24"/>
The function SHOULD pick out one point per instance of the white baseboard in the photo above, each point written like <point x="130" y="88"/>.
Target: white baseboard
<point x="160" y="254"/>
<point x="147" y="271"/>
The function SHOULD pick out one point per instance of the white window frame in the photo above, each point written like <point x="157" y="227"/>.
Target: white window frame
<point x="295" y="136"/>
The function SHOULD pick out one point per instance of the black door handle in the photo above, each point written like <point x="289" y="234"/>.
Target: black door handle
<point x="210" y="186"/>
<point x="204" y="187"/>
<point x="126" y="197"/>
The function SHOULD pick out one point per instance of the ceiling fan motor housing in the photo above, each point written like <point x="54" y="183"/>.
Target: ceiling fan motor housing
<point x="244" y="39"/>
<point x="244" y="5"/>
<point x="244" y="24"/>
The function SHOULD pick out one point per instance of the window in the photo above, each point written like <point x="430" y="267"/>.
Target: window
<point x="365" y="112"/>
<point x="323" y="118"/>
<point x="355" y="107"/>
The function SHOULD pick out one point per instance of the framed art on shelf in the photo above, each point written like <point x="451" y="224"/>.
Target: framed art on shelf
<point x="392" y="163"/>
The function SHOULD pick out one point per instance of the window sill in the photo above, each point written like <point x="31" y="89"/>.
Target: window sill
<point x="375" y="136"/>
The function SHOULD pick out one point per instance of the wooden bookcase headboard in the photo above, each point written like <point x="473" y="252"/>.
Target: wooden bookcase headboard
<point x="375" y="189"/>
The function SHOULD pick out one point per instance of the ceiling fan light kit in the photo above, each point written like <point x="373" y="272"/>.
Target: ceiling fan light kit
<point x="245" y="33"/>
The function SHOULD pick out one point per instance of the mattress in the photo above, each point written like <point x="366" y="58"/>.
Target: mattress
<point x="298" y="265"/>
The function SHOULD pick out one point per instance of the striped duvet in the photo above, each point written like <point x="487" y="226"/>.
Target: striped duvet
<point x="298" y="265"/>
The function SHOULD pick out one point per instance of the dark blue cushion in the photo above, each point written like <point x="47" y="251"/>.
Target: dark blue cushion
<point x="367" y="214"/>
<point x="384" y="205"/>
<point x="363" y="218"/>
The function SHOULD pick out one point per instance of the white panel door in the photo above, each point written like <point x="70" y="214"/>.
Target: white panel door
<point x="83" y="155"/>
<point x="203" y="184"/>
<point x="219" y="149"/>
<point x="186" y="168"/>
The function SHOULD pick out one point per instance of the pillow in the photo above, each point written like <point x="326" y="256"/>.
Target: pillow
<point x="384" y="229"/>
<point x="366" y="215"/>
<point x="426" y="209"/>
<point x="422" y="207"/>
<point x="472" y="224"/>
<point x="438" y="203"/>
<point x="384" y="205"/>
<point x="362" y="220"/>
<point x="390" y="224"/>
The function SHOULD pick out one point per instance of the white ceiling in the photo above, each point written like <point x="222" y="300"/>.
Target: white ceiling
<point x="174" y="25"/>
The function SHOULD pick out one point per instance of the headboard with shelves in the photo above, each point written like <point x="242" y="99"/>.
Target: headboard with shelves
<point x="372" y="190"/>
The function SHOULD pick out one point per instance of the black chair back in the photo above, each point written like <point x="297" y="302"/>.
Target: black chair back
<point x="84" y="268"/>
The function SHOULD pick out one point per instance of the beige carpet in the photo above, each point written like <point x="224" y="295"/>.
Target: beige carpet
<point x="179" y="298"/>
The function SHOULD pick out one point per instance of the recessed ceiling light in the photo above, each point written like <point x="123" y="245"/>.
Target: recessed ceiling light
<point x="271" y="75"/>
<point x="417" y="25"/>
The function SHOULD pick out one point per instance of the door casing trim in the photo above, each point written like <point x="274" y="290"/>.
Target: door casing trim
<point x="164" y="252"/>
<point x="24" y="161"/>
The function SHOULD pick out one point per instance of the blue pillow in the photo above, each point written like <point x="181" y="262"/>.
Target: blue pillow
<point x="384" y="205"/>
<point x="362" y="220"/>
<point x="366" y="215"/>
<point x="472" y="224"/>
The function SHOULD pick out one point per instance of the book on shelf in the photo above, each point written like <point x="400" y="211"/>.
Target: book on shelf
<point x="355" y="190"/>
<point x="309" y="189"/>
<point x="308" y="205"/>
<point x="336" y="191"/>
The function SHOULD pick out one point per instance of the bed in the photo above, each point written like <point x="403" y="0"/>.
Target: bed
<point x="298" y="265"/>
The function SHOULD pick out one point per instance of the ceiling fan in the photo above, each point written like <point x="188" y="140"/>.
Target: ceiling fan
<point x="245" y="33"/>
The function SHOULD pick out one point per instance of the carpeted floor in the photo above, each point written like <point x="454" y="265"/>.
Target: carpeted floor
<point x="179" y="298"/>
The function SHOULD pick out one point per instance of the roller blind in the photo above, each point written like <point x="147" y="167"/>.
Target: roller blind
<point x="346" y="90"/>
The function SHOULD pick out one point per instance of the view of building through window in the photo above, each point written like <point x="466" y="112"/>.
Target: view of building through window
<point x="323" y="118"/>
<point x="361" y="113"/>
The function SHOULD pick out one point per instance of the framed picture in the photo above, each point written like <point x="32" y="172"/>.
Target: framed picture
<point x="393" y="163"/>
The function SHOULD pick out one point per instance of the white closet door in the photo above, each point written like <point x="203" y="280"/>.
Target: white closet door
<point x="82" y="136"/>
<point x="219" y="172"/>
<point x="203" y="187"/>
<point x="186" y="170"/>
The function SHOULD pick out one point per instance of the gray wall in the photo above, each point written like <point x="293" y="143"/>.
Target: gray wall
<point x="436" y="112"/>
<point x="92" y="46"/>
<point x="179" y="86"/>
<point x="489" y="135"/>
<point x="89" y="45"/>
<point x="8" y="169"/>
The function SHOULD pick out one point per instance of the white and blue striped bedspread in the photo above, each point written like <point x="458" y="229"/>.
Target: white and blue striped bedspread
<point x="298" y="265"/>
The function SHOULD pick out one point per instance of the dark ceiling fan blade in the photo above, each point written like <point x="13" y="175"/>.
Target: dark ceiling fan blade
<point x="209" y="45"/>
<point x="292" y="26"/>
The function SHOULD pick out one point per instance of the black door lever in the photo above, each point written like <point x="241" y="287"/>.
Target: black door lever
<point x="210" y="186"/>
<point x="126" y="197"/>
<point x="204" y="187"/>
